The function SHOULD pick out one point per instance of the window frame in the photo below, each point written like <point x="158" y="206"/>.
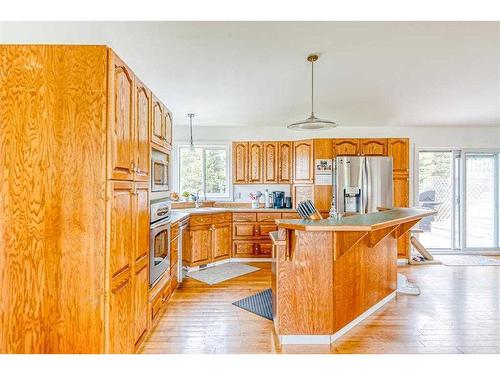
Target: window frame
<point x="210" y="146"/>
<point x="461" y="152"/>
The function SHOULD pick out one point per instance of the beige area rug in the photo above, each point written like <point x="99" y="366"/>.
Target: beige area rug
<point x="217" y="274"/>
<point x="467" y="260"/>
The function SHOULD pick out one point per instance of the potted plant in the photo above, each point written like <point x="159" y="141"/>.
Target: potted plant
<point x="185" y="196"/>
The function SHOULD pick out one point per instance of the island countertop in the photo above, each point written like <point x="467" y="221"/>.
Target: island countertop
<point x="364" y="222"/>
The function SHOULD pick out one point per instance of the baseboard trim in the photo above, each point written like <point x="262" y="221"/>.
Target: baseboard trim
<point x="254" y="260"/>
<point x="197" y="268"/>
<point x="362" y="317"/>
<point x="229" y="260"/>
<point x="403" y="262"/>
<point x="328" y="339"/>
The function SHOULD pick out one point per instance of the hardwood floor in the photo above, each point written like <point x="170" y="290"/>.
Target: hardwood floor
<point x="458" y="311"/>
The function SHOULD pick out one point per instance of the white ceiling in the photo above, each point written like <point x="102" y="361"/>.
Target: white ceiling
<point x="256" y="73"/>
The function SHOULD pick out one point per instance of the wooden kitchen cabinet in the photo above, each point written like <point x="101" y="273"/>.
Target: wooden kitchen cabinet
<point x="141" y="261"/>
<point x="221" y="246"/>
<point x="244" y="249"/>
<point x="209" y="239"/>
<point x="158" y="296"/>
<point x="399" y="149"/>
<point x="373" y="146"/>
<point x="121" y="119"/>
<point x="200" y="240"/>
<point x="122" y="256"/>
<point x="161" y="127"/>
<point x="303" y="163"/>
<point x="142" y="124"/>
<point x="262" y="162"/>
<point x="95" y="270"/>
<point x="255" y="162"/>
<point x="167" y="128"/>
<point x="270" y="162"/>
<point x="240" y="162"/>
<point x="302" y="193"/>
<point x="346" y="147"/>
<point x="140" y="309"/>
<point x="129" y="260"/>
<point x="251" y="233"/>
<point x="285" y="162"/>
<point x="157" y="132"/>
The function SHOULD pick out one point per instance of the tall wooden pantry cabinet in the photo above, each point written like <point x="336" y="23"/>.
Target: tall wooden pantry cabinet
<point x="74" y="195"/>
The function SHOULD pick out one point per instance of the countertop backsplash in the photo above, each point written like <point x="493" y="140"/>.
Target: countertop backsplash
<point x="240" y="192"/>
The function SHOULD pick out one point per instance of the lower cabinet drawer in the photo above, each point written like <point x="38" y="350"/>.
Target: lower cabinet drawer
<point x="158" y="297"/>
<point x="250" y="249"/>
<point x="265" y="248"/>
<point x="290" y="215"/>
<point x="244" y="249"/>
<point x="265" y="228"/>
<point x="245" y="230"/>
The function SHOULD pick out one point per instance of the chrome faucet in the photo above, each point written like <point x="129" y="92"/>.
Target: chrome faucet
<point x="197" y="202"/>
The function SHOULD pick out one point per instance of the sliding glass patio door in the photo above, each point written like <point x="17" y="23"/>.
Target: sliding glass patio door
<point x="463" y="188"/>
<point x="481" y="200"/>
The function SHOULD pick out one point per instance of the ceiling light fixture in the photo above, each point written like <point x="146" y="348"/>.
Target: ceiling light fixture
<point x="191" y="144"/>
<point x="312" y="122"/>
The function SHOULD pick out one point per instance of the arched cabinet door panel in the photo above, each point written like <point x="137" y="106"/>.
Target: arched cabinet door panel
<point x="303" y="162"/>
<point x="121" y="116"/>
<point x="142" y="125"/>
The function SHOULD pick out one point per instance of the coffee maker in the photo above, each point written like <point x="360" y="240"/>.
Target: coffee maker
<point x="278" y="199"/>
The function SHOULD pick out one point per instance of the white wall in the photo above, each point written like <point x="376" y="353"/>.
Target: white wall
<point x="438" y="137"/>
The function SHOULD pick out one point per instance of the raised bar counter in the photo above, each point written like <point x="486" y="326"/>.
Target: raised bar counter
<point x="328" y="275"/>
<point x="366" y="222"/>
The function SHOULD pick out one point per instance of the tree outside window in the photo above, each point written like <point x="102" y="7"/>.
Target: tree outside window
<point x="204" y="167"/>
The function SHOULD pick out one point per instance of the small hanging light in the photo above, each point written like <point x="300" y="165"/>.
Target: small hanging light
<point x="191" y="144"/>
<point x="312" y="122"/>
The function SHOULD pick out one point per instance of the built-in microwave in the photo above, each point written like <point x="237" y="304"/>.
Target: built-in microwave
<point x="160" y="173"/>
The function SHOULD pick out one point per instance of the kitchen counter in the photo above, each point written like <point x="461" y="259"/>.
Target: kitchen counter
<point x="366" y="222"/>
<point x="179" y="214"/>
<point x="328" y="275"/>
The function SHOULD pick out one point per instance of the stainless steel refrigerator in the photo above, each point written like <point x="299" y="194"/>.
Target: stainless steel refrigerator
<point x="362" y="183"/>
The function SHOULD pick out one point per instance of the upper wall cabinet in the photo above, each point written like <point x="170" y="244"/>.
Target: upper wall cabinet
<point x="285" y="162"/>
<point x="345" y="147"/>
<point x="399" y="149"/>
<point x="167" y="121"/>
<point x="303" y="171"/>
<point x="142" y="125"/>
<point x="263" y="162"/>
<point x="157" y="127"/>
<point x="240" y="162"/>
<point x="373" y="146"/>
<point x="161" y="129"/>
<point x="354" y="146"/>
<point x="121" y="118"/>
<point x="270" y="162"/>
<point x="255" y="162"/>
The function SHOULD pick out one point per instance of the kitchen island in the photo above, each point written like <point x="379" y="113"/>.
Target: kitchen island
<point x="328" y="275"/>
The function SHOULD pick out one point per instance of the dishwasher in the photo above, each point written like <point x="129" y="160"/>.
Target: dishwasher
<point x="182" y="238"/>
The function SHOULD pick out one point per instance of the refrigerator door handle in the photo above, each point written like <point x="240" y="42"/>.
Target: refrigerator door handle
<point x="366" y="190"/>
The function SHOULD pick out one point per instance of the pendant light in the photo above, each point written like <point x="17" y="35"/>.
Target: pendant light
<point x="312" y="122"/>
<point x="191" y="144"/>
